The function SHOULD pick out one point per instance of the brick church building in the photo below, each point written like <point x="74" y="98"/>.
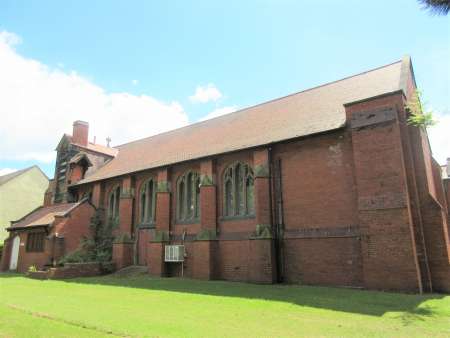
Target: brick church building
<point x="328" y="186"/>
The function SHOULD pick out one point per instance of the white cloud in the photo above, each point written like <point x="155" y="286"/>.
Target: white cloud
<point x="440" y="138"/>
<point x="135" y="82"/>
<point x="206" y="94"/>
<point x="39" y="103"/>
<point x="6" y="171"/>
<point x="10" y="38"/>
<point x="219" y="112"/>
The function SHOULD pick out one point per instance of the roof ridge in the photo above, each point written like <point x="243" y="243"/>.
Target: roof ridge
<point x="260" y="104"/>
<point x="17" y="173"/>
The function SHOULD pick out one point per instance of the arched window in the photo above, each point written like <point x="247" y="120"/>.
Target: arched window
<point x="113" y="203"/>
<point x="148" y="201"/>
<point x="238" y="187"/>
<point x="188" y="197"/>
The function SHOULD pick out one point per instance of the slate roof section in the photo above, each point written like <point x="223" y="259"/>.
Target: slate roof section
<point x="44" y="216"/>
<point x="308" y="112"/>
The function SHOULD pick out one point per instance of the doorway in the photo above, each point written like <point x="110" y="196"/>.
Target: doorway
<point x="14" y="253"/>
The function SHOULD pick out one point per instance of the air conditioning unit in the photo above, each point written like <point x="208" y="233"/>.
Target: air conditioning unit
<point x="174" y="253"/>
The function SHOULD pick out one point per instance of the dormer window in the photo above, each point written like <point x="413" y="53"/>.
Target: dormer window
<point x="79" y="165"/>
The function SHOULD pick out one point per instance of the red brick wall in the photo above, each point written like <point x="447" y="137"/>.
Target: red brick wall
<point x="324" y="261"/>
<point x="233" y="260"/>
<point x="144" y="237"/>
<point x="122" y="255"/>
<point x="27" y="259"/>
<point x="80" y="133"/>
<point x="319" y="196"/>
<point x="384" y="210"/>
<point x="76" y="173"/>
<point x="318" y="184"/>
<point x="75" y="227"/>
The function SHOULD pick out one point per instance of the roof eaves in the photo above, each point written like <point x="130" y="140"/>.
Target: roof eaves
<point x="27" y="227"/>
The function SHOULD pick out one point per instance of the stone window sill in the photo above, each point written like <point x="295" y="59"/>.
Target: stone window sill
<point x="146" y="225"/>
<point x="189" y="221"/>
<point x="236" y="218"/>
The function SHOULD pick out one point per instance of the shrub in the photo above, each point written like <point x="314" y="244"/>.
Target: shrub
<point x="98" y="246"/>
<point x="419" y="115"/>
<point x="32" y="268"/>
<point x="77" y="256"/>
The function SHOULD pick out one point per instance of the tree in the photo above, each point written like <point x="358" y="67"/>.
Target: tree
<point x="440" y="7"/>
<point x="98" y="246"/>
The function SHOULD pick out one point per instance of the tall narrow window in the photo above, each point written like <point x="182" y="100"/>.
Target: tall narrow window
<point x="147" y="203"/>
<point x="238" y="197"/>
<point x="188" y="197"/>
<point x="197" y="197"/>
<point x="113" y="207"/>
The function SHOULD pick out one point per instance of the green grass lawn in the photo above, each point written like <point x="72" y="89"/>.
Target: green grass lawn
<point x="149" y="307"/>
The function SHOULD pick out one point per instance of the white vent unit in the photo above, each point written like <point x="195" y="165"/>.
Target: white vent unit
<point x="174" y="253"/>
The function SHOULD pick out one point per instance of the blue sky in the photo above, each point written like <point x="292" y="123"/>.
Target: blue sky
<point x="157" y="54"/>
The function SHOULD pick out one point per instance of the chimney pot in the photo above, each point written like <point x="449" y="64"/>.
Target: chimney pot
<point x="80" y="133"/>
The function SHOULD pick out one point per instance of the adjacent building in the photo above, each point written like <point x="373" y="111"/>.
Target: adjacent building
<point x="328" y="186"/>
<point x="20" y="193"/>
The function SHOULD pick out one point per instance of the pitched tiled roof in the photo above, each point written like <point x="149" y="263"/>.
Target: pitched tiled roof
<point x="44" y="215"/>
<point x="308" y="112"/>
<point x="98" y="148"/>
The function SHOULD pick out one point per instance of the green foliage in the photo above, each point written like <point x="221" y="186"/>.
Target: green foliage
<point x="440" y="7"/>
<point x="419" y="115"/>
<point x="206" y="180"/>
<point x="77" y="256"/>
<point x="98" y="246"/>
<point x="261" y="170"/>
<point x="263" y="231"/>
<point x="123" y="238"/>
<point x="32" y="268"/>
<point x="162" y="186"/>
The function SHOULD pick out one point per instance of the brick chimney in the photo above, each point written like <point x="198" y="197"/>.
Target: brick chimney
<point x="80" y="133"/>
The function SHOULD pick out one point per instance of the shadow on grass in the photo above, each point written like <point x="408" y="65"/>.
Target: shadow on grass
<point x="338" y="299"/>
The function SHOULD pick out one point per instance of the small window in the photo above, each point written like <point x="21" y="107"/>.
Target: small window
<point x="148" y="201"/>
<point x="35" y="242"/>
<point x="188" y="197"/>
<point x="238" y="187"/>
<point x="113" y="203"/>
